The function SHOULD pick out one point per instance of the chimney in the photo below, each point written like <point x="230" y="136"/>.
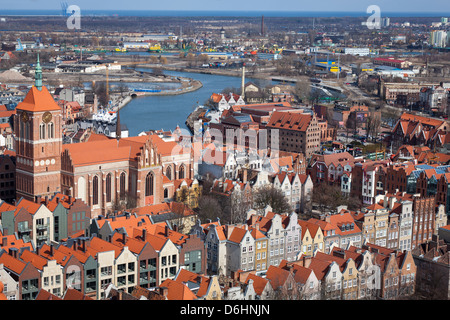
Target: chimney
<point x="166" y="231"/>
<point x="144" y="234"/>
<point x="163" y="291"/>
<point x="244" y="176"/>
<point x="4" y="241"/>
<point x="13" y="252"/>
<point x="46" y="200"/>
<point x="124" y="238"/>
<point x="5" y="231"/>
<point x="75" y="245"/>
<point x="37" y="250"/>
<point x="84" y="245"/>
<point x="51" y="250"/>
<point x="57" y="199"/>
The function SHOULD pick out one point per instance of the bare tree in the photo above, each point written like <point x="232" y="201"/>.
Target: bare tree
<point x="269" y="195"/>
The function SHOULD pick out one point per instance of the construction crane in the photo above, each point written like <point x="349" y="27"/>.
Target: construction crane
<point x="20" y="45"/>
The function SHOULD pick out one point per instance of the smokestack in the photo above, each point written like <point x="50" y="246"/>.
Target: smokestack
<point x="243" y="82"/>
<point x="262" y="26"/>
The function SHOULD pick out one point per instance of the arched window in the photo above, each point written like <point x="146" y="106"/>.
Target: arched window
<point x="181" y="172"/>
<point x="42" y="131"/>
<point x="122" y="185"/>
<point x="95" y="190"/>
<point x="108" y="187"/>
<point x="149" y="180"/>
<point x="169" y="172"/>
<point x="51" y="130"/>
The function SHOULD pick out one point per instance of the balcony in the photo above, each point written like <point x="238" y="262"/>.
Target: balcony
<point x="22" y="229"/>
<point x="42" y="227"/>
<point x="41" y="237"/>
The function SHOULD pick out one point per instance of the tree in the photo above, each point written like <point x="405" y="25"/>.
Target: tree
<point x="209" y="208"/>
<point x="268" y="195"/>
<point x="328" y="197"/>
<point x="373" y="124"/>
<point x="302" y="90"/>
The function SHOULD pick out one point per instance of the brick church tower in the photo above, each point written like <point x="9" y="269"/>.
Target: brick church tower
<point x="37" y="127"/>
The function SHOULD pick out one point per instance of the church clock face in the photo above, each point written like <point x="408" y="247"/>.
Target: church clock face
<point x="47" y="117"/>
<point x="24" y="116"/>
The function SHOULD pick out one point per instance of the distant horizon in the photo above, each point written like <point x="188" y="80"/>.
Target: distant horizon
<point x="222" y="13"/>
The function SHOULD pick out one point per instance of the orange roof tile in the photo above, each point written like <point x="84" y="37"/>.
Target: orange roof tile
<point x="177" y="291"/>
<point x="38" y="100"/>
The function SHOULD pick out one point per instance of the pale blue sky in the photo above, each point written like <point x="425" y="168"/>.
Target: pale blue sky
<point x="233" y="5"/>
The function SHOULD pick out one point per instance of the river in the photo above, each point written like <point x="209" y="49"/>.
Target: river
<point x="166" y="112"/>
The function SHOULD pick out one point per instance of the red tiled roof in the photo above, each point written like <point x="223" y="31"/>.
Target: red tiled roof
<point x="38" y="100"/>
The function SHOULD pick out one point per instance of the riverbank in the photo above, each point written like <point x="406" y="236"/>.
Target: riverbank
<point x="189" y="85"/>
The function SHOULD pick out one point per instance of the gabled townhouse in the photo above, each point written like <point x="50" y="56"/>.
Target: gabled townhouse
<point x="187" y="191"/>
<point x="292" y="231"/>
<point x="70" y="215"/>
<point x="367" y="269"/>
<point x="89" y="274"/>
<point x="147" y="257"/>
<point x="346" y="228"/>
<point x="261" y="246"/>
<point x="283" y="283"/>
<point x="348" y="272"/>
<point x="368" y="180"/>
<point x="174" y="290"/>
<point x="72" y="268"/>
<point x="214" y="237"/>
<point x="330" y="233"/>
<point x="240" y="291"/>
<point x="307" y="282"/>
<point x="192" y="250"/>
<point x="271" y="224"/>
<point x="261" y="285"/>
<point x="51" y="272"/>
<point x="205" y="288"/>
<point x="330" y="168"/>
<point x="9" y="287"/>
<point x="377" y="224"/>
<point x="330" y="275"/>
<point x="397" y="271"/>
<point x="32" y="221"/>
<point x="25" y="276"/>
<point x="168" y="257"/>
<point x="312" y="238"/>
<point x="297" y="188"/>
<point x="240" y="248"/>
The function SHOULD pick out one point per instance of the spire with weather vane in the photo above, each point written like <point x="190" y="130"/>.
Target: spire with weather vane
<point x="38" y="75"/>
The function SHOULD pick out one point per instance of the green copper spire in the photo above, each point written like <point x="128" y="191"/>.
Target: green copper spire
<point x="38" y="75"/>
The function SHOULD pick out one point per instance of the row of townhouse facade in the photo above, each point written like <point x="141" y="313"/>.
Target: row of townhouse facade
<point x="144" y="256"/>
<point x="369" y="272"/>
<point x="46" y="220"/>
<point x="400" y="221"/>
<point x="261" y="241"/>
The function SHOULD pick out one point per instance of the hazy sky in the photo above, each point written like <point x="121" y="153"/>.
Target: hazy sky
<point x="233" y="5"/>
